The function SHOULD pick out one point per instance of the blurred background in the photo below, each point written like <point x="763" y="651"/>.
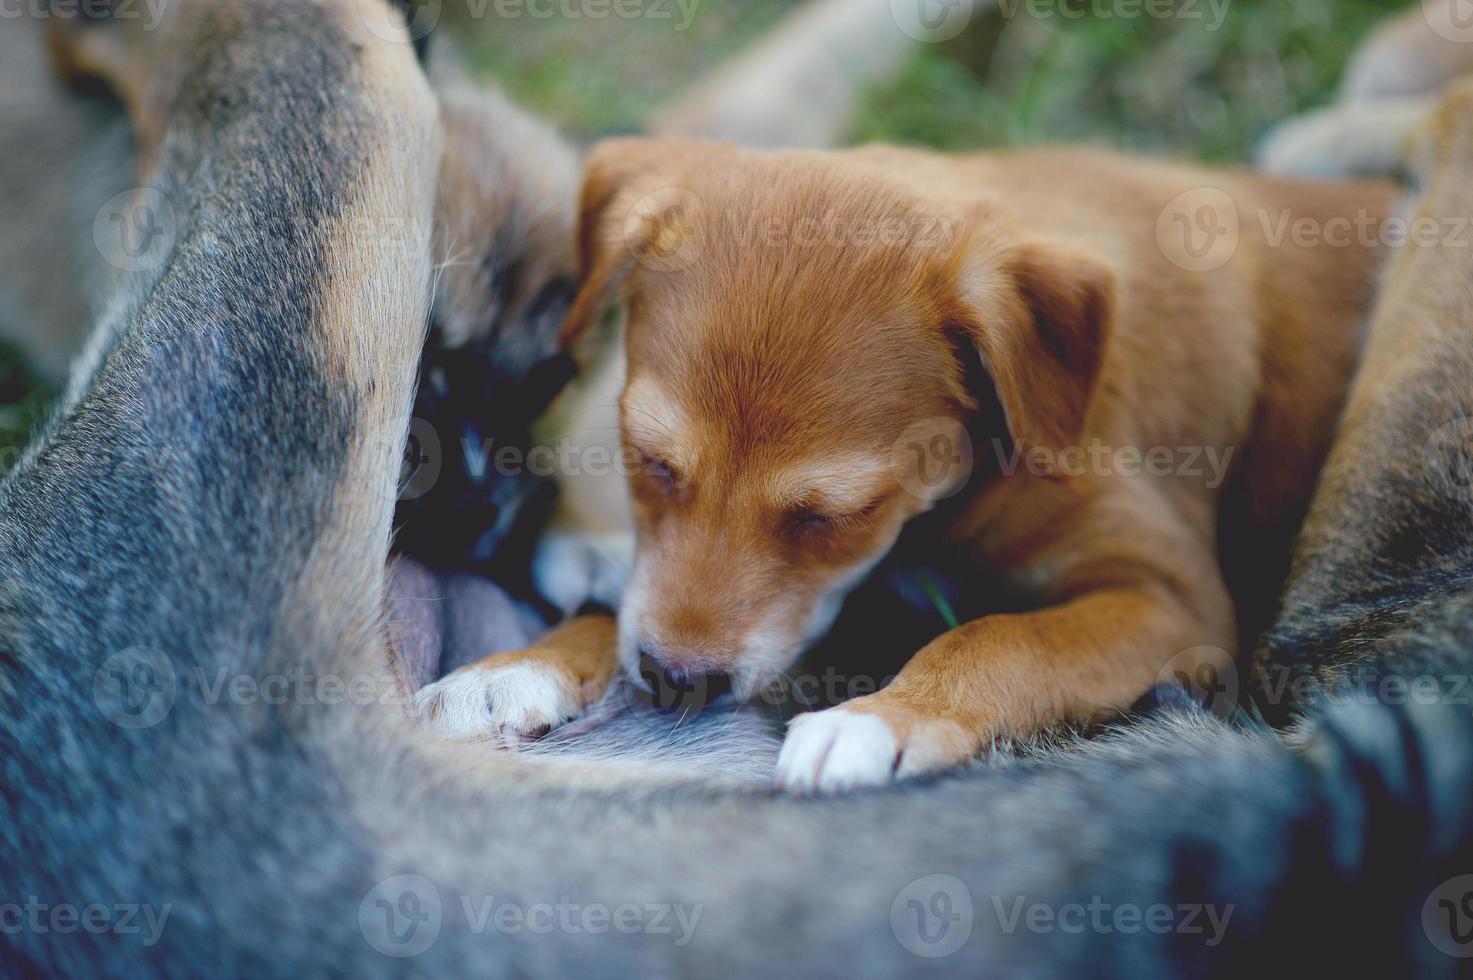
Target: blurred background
<point x="1204" y="86"/>
<point x="1183" y="85"/>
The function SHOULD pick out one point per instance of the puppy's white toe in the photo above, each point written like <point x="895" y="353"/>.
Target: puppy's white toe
<point x="834" y="750"/>
<point x="518" y="700"/>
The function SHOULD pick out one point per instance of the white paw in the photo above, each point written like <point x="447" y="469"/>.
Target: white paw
<point x="1312" y="145"/>
<point x="834" y="750"/>
<point x="518" y="700"/>
<point x="1366" y="139"/>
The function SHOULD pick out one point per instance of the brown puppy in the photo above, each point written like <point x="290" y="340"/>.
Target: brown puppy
<point x="1145" y="357"/>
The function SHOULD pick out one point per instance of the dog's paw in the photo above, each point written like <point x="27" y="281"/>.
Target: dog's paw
<point x="868" y="742"/>
<point x="524" y="699"/>
<point x="833" y="750"/>
<point x="1360" y="140"/>
<point x="1312" y="145"/>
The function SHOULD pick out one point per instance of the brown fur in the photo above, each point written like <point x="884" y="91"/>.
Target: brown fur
<point x="772" y="374"/>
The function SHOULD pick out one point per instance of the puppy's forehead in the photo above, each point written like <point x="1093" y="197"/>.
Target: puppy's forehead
<point x="783" y="277"/>
<point x="823" y="472"/>
<point x="799" y="317"/>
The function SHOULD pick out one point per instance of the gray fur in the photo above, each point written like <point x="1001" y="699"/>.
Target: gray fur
<point x="184" y="501"/>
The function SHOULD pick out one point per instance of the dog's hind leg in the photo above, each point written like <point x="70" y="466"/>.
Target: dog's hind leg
<point x="192" y="553"/>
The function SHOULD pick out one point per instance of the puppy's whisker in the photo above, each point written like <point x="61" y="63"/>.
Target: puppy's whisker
<point x="663" y="427"/>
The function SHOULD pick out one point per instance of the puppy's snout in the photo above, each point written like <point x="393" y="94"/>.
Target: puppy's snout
<point x="677" y="687"/>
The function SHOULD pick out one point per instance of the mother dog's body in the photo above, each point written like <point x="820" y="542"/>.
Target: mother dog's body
<point x="209" y="496"/>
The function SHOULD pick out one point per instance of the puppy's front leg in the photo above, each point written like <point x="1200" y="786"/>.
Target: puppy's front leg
<point x="527" y="693"/>
<point x="1009" y="674"/>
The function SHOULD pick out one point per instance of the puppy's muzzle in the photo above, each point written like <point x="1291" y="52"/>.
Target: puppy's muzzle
<point x="674" y="688"/>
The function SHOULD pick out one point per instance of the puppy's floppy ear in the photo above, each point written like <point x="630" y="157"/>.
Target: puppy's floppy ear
<point x="631" y="210"/>
<point x="603" y="264"/>
<point x="1040" y="313"/>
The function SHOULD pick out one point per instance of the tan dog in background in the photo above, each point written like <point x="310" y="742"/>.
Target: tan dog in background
<point x="800" y="322"/>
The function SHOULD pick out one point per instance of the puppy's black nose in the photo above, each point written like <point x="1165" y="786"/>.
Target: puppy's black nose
<point x="675" y="689"/>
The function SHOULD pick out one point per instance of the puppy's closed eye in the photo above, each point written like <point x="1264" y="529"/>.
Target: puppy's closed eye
<point x="663" y="474"/>
<point x="812" y="519"/>
<point x="806" y="521"/>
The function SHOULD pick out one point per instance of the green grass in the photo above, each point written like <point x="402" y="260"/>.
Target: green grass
<point x="604" y="75"/>
<point x="23" y="404"/>
<point x="1203" y="83"/>
<point x="1160" y="85"/>
<point x="1168" y="86"/>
